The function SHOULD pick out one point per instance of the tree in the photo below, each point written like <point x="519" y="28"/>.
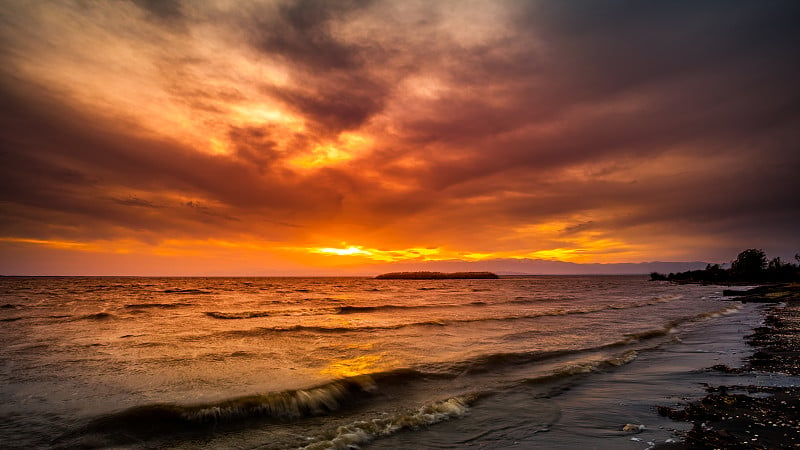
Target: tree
<point x="775" y="264"/>
<point x="749" y="264"/>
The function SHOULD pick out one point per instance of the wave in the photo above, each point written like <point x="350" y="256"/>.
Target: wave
<point x="156" y="420"/>
<point x="500" y="361"/>
<point x="354" y="309"/>
<point x="280" y="406"/>
<point x="671" y="326"/>
<point x="368" y="309"/>
<point x="98" y="316"/>
<point x="323" y="329"/>
<point x="14" y="319"/>
<point x="517" y="300"/>
<point x="362" y="432"/>
<point x="348" y="309"/>
<point x="153" y="420"/>
<point x="272" y="313"/>
<point x="491" y="362"/>
<point x="238" y="315"/>
<point x="587" y="366"/>
<point x="426" y="323"/>
<point x="157" y="305"/>
<point x="186" y="291"/>
<point x="361" y="309"/>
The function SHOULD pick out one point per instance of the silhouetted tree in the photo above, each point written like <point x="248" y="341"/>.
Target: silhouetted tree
<point x="749" y="264"/>
<point x="715" y="273"/>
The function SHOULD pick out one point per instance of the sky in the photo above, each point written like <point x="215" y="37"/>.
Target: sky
<point x="221" y="137"/>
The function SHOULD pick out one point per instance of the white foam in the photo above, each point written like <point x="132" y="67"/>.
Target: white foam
<point x="361" y="432"/>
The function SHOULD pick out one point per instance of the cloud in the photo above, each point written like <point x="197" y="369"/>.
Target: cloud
<point x="301" y="33"/>
<point x="467" y="126"/>
<point x="167" y="10"/>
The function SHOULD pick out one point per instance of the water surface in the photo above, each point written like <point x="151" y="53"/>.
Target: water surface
<point x="332" y="362"/>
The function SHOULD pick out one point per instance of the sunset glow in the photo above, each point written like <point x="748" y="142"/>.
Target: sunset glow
<point x="309" y="137"/>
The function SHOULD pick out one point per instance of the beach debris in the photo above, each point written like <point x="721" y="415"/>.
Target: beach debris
<point x="633" y="428"/>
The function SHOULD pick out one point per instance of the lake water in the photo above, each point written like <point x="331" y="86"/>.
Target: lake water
<point x="354" y="362"/>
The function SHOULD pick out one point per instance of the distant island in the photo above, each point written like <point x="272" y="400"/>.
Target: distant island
<point x="436" y="276"/>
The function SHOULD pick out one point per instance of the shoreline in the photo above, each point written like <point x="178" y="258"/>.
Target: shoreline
<point x="752" y="415"/>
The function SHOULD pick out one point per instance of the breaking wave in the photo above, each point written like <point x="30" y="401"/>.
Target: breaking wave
<point x="362" y="432"/>
<point x="154" y="419"/>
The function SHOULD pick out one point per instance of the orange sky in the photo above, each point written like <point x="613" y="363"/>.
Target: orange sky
<point x="312" y="137"/>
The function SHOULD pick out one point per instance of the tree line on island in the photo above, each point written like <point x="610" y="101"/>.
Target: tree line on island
<point x="750" y="266"/>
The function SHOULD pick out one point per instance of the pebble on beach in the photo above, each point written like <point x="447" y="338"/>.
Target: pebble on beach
<point x="633" y="428"/>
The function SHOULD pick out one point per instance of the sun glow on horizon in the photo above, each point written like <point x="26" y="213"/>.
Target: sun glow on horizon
<point x="351" y="250"/>
<point x="423" y="254"/>
<point x="577" y="250"/>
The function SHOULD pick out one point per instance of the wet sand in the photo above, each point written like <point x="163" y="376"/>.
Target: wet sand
<point x="753" y="415"/>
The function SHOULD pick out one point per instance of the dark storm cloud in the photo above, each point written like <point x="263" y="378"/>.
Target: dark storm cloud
<point x="337" y="106"/>
<point x="254" y="144"/>
<point x="336" y="87"/>
<point x="632" y="80"/>
<point x="167" y="10"/>
<point x="701" y="75"/>
<point x="46" y="172"/>
<point x="301" y="34"/>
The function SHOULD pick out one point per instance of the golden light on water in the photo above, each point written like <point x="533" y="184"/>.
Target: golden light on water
<point x="360" y="365"/>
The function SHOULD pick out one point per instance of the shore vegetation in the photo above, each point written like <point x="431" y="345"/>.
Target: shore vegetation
<point x="750" y="266"/>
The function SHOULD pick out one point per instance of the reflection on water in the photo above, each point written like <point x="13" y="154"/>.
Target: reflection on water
<point x="360" y="365"/>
